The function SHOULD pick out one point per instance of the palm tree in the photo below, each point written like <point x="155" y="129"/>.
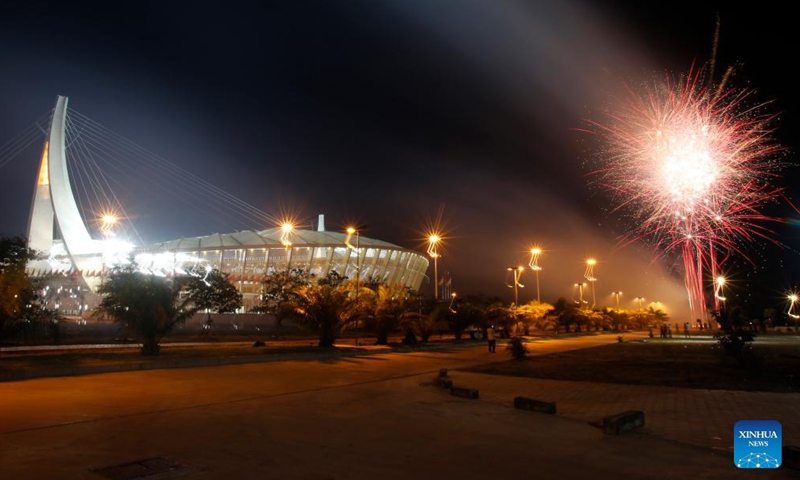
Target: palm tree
<point x="387" y="308"/>
<point x="534" y="314"/>
<point x="327" y="308"/>
<point x="566" y="312"/>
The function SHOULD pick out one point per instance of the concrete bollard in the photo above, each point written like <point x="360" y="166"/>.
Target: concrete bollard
<point x="623" y="422"/>
<point x="445" y="382"/>
<point x="470" y="393"/>
<point x="533" y="405"/>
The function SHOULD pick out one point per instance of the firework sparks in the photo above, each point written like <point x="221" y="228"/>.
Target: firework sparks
<point x="691" y="166"/>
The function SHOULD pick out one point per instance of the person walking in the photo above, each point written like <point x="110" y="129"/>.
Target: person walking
<point x="490" y="338"/>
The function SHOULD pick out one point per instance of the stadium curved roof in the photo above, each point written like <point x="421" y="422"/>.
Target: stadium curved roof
<point x="270" y="238"/>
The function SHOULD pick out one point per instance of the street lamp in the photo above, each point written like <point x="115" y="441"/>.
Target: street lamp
<point x="107" y="223"/>
<point x="452" y="301"/>
<point x="617" y="295"/>
<point x="580" y="287"/>
<point x="792" y="300"/>
<point x="534" y="264"/>
<point x="589" y="275"/>
<point x="350" y="232"/>
<point x="433" y="242"/>
<point x="640" y="300"/>
<point x="517" y="274"/>
<point x="286" y="230"/>
<point x="719" y="283"/>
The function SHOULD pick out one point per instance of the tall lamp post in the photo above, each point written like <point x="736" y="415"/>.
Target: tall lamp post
<point x="719" y="298"/>
<point x="350" y="232"/>
<point x="617" y="295"/>
<point x="580" y="287"/>
<point x="433" y="242"/>
<point x="517" y="274"/>
<point x="534" y="264"/>
<point x="792" y="300"/>
<point x="589" y="275"/>
<point x="640" y="300"/>
<point x="452" y="302"/>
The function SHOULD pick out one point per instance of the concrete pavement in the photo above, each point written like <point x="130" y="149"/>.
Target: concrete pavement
<point x="343" y="418"/>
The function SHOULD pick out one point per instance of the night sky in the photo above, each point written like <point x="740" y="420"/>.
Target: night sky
<point x="387" y="113"/>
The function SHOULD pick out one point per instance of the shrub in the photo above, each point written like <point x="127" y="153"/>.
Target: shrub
<point x="517" y="349"/>
<point x="733" y="339"/>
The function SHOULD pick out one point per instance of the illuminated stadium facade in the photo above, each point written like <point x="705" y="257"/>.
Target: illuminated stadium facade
<point x="247" y="256"/>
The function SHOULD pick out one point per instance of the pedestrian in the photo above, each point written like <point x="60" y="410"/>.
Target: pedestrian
<point x="669" y="330"/>
<point x="490" y="338"/>
<point x="686" y="330"/>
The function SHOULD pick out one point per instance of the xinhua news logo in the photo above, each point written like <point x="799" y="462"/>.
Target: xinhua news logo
<point x="757" y="444"/>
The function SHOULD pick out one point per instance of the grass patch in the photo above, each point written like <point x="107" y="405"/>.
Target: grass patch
<point x="678" y="363"/>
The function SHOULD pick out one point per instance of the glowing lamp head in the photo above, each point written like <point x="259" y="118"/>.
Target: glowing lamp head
<point x="108" y="220"/>
<point x="286" y="229"/>
<point x="536" y="251"/>
<point x="351" y="230"/>
<point x="434" y="239"/>
<point x="591" y="261"/>
<point x="793" y="297"/>
<point x="720" y="281"/>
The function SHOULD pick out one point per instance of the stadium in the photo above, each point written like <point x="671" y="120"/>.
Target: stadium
<point x="249" y="256"/>
<point x="74" y="265"/>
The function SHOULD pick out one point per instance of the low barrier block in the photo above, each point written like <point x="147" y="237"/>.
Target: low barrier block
<point x="534" y="405"/>
<point x="471" y="393"/>
<point x="623" y="422"/>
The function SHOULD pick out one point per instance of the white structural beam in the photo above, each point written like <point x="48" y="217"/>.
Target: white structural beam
<point x="76" y="236"/>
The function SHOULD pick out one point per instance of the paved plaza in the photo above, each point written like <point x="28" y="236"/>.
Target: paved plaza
<point x="376" y="416"/>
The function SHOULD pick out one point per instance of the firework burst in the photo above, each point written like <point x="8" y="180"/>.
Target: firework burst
<point x="691" y="166"/>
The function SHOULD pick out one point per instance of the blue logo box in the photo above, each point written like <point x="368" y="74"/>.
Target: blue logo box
<point x="757" y="444"/>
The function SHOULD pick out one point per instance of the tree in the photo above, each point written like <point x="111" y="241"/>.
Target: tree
<point x="147" y="306"/>
<point x="421" y="324"/>
<point x="619" y="319"/>
<point x="327" y="308"/>
<point x="469" y="311"/>
<point x="566" y="312"/>
<point x="501" y="317"/>
<point x="281" y="293"/>
<point x="213" y="291"/>
<point x="388" y="307"/>
<point x="21" y="309"/>
<point x="534" y="315"/>
<point x="655" y="317"/>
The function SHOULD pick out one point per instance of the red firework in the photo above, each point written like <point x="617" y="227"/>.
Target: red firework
<point x="692" y="166"/>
